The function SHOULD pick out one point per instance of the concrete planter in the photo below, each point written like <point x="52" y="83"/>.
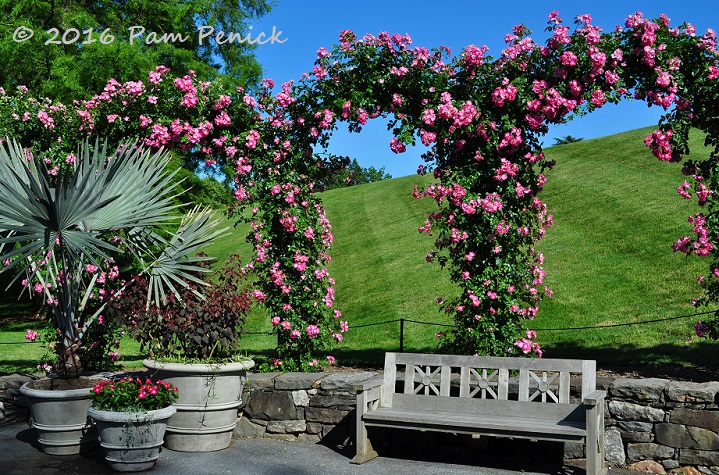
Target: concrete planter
<point x="207" y="408"/>
<point x="131" y="440"/>
<point x="60" y="418"/>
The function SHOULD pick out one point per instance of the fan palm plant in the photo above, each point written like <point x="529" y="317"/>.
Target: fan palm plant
<point x="57" y="230"/>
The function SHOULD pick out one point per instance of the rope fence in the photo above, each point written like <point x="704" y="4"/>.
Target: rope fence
<point x="594" y="327"/>
<point x="402" y="322"/>
<point x="612" y="325"/>
<point x="401" y="328"/>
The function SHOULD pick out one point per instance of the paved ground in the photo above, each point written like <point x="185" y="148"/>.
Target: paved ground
<point x="20" y="454"/>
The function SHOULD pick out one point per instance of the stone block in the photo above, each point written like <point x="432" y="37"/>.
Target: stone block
<point x="641" y="437"/>
<point x="686" y="437"/>
<point x="670" y="464"/>
<point x="261" y="380"/>
<point x="614" y="448"/>
<point x="246" y="428"/>
<point x="698" y="457"/>
<point x="337" y="392"/>
<point x="704" y="419"/>
<point x="14" y="381"/>
<point x="345" y="381"/>
<point x="333" y="401"/>
<point x="295" y="381"/>
<point x="283" y="437"/>
<point x="13" y="393"/>
<point x="286" y="427"/>
<point x="301" y="398"/>
<point x="273" y="405"/>
<point x="572" y="450"/>
<point x="647" y="466"/>
<point x="650" y="390"/>
<point x="648" y="451"/>
<point x="314" y="428"/>
<point x="325" y="415"/>
<point x="634" y="426"/>
<point x="684" y="391"/>
<point x="684" y="470"/>
<point x="627" y="411"/>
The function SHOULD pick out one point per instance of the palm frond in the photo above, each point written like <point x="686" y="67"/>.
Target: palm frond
<point x="178" y="259"/>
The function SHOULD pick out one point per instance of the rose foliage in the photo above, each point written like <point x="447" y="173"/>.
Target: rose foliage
<point x="481" y="119"/>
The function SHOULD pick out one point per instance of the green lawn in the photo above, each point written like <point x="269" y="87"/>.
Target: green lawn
<point x="608" y="259"/>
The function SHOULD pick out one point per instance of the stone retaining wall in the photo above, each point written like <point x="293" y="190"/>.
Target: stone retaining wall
<point x="673" y="424"/>
<point x="10" y="384"/>
<point x="300" y="406"/>
<point x="654" y="424"/>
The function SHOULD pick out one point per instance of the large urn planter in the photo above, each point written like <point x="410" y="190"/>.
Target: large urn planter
<point x="60" y="417"/>
<point x="132" y="440"/>
<point x="210" y="396"/>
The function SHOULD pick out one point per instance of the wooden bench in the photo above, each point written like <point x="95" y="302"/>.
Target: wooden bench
<point x="471" y="395"/>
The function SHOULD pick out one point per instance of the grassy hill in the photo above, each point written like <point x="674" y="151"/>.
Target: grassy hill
<point x="608" y="259"/>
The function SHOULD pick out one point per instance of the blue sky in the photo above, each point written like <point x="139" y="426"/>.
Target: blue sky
<point x="310" y="24"/>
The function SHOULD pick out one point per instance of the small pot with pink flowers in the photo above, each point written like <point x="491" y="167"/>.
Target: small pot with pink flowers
<point x="131" y="417"/>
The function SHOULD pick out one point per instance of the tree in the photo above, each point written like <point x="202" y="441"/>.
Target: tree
<point x="75" y="47"/>
<point x="566" y="140"/>
<point x="354" y="174"/>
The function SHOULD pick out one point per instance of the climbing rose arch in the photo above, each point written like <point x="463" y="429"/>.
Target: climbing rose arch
<point x="480" y="118"/>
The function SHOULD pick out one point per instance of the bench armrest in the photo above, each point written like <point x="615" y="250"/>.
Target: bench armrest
<point x="594" y="398"/>
<point x="371" y="383"/>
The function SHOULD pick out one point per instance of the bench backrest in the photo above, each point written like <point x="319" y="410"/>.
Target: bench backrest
<point x="482" y="377"/>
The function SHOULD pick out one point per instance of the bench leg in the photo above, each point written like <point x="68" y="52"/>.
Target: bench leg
<point x="595" y="441"/>
<point x="365" y="451"/>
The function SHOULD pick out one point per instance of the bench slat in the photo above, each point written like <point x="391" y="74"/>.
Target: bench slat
<point x="390" y="375"/>
<point x="523" y="384"/>
<point x="503" y="384"/>
<point x="448" y="421"/>
<point x="446" y="378"/>
<point x="564" y="386"/>
<point x="488" y="407"/>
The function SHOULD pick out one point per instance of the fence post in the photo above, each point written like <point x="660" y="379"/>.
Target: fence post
<point x="401" y="335"/>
